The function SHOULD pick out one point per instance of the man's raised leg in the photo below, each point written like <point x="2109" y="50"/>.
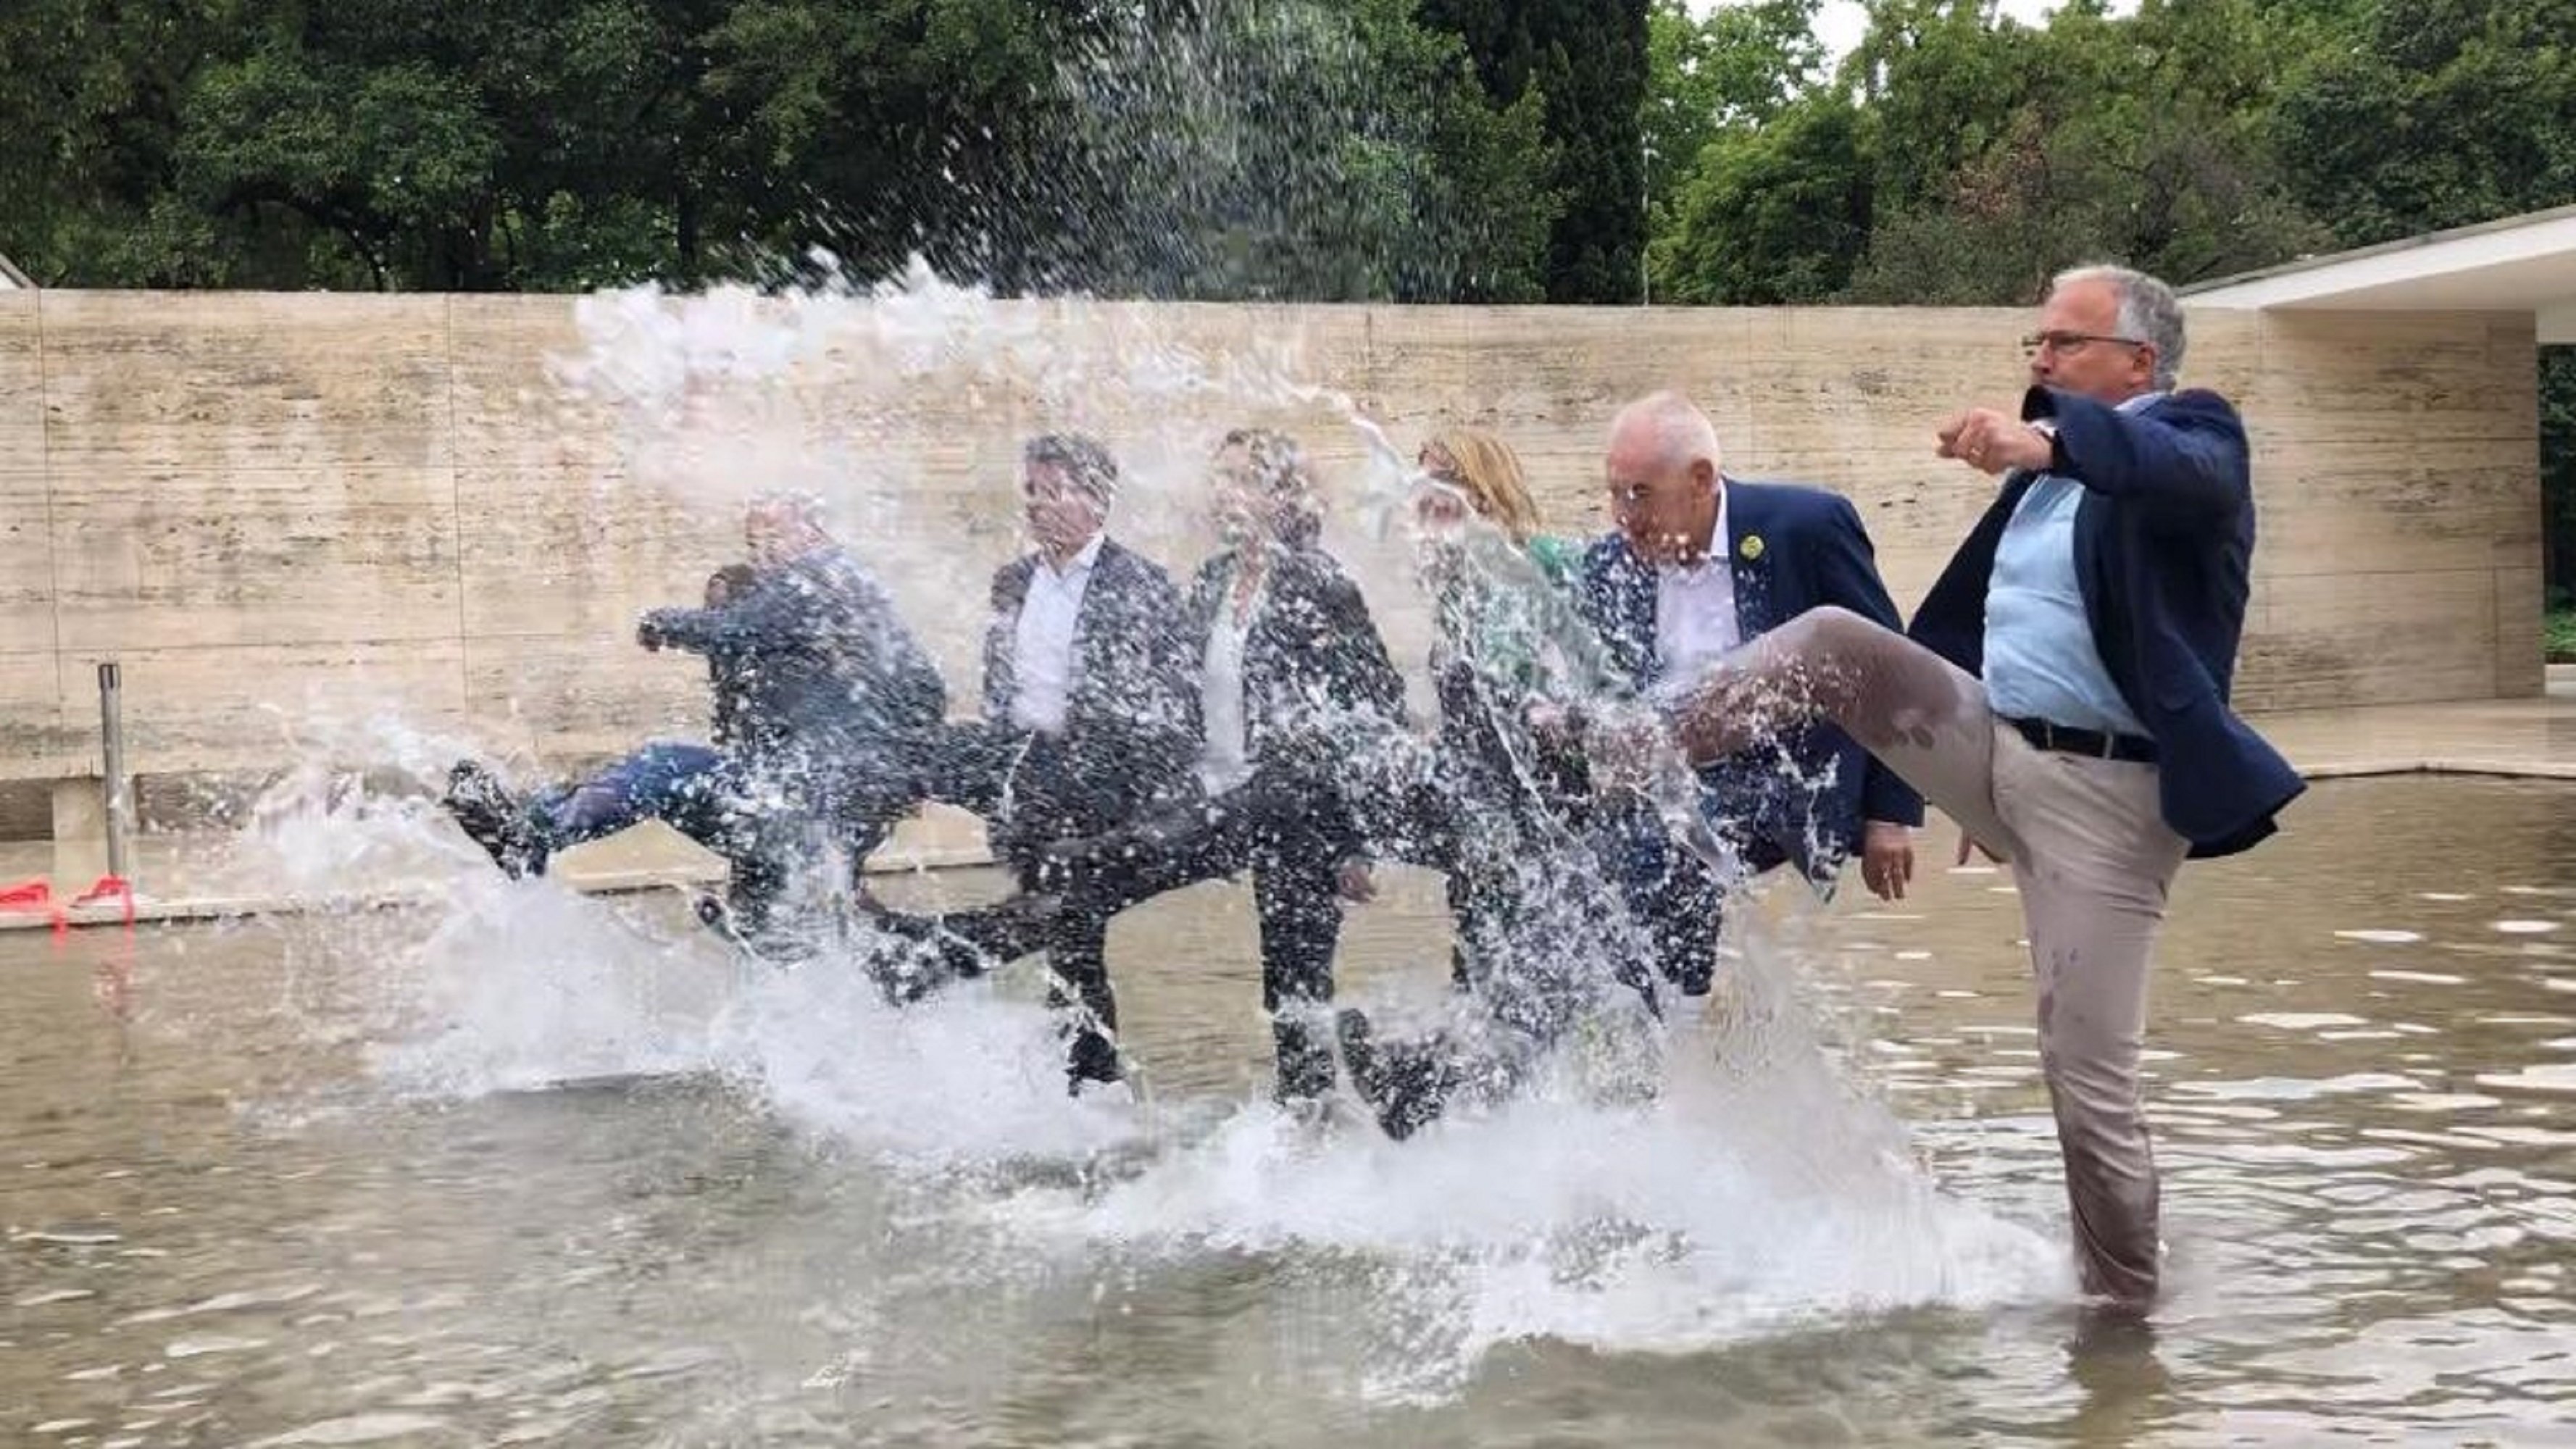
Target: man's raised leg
<point x="1925" y="717"/>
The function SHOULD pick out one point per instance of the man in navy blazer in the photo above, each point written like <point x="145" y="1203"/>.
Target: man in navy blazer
<point x="2064" y="697"/>
<point x="1700" y="563"/>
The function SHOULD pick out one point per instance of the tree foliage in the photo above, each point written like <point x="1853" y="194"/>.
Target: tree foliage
<point x="1338" y="148"/>
<point x="1420" y="150"/>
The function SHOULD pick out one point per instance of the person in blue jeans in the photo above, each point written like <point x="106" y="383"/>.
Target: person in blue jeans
<point x="826" y="708"/>
<point x="676" y="781"/>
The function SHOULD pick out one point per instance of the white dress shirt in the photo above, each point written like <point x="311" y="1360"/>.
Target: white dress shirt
<point x="1226" y="762"/>
<point x="1042" y="662"/>
<point x="1695" y="607"/>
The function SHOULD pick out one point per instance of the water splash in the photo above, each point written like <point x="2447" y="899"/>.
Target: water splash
<point x="1728" y="1182"/>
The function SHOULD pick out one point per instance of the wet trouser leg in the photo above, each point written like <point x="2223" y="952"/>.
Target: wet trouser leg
<point x="711" y="797"/>
<point x="2095" y="865"/>
<point x="1077" y="948"/>
<point x="663" y="780"/>
<point x="768" y="826"/>
<point x="2092" y="859"/>
<point x="970" y="764"/>
<point x="1044" y="799"/>
<point x="1294" y="894"/>
<point x="1281" y="825"/>
<point x="1674" y="894"/>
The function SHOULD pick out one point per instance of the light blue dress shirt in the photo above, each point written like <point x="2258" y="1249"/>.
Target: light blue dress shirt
<point x="2040" y="658"/>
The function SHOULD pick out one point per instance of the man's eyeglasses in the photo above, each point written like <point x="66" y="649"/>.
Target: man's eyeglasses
<point x="2039" y="342"/>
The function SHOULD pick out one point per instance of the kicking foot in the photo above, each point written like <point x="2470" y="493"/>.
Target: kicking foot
<point x="494" y="819"/>
<point x="780" y="943"/>
<point x="1405" y="1084"/>
<point x="915" y="955"/>
<point x="1092" y="1058"/>
<point x="1305" y="1070"/>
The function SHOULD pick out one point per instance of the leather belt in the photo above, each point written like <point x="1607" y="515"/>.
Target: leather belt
<point x="2067" y="740"/>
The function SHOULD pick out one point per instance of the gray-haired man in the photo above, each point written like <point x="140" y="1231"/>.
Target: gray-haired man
<point x="2064" y="697"/>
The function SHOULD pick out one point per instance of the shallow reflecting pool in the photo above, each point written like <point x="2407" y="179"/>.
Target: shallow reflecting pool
<point x="316" y="1181"/>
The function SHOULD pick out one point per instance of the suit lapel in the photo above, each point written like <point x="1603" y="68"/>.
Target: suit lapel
<point x="1748" y="517"/>
<point x="1102" y="600"/>
<point x="1001" y="639"/>
<point x="1634" y="584"/>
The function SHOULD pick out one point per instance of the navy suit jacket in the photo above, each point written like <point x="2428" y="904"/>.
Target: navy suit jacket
<point x="1812" y="551"/>
<point x="2164" y="551"/>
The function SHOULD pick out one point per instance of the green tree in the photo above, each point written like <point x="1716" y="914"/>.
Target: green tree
<point x="1773" y="214"/>
<point x="2435" y="113"/>
<point x="2008" y="153"/>
<point x="1587" y="60"/>
<point x="1288" y="148"/>
<point x="1736" y="66"/>
<point x="885" y="128"/>
<point x="1284" y="149"/>
<point x="90" y="98"/>
<point x="2428" y="114"/>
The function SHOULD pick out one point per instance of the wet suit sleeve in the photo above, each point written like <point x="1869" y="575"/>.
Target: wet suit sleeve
<point x="881" y="652"/>
<point x="1170" y="677"/>
<point x="1359" y="674"/>
<point x="771" y="611"/>
<point x="2183" y="462"/>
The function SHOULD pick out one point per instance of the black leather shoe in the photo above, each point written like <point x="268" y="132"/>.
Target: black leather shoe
<point x="1406" y="1084"/>
<point x="494" y="819"/>
<point x="1305" y="1071"/>
<point x="1091" y="1058"/>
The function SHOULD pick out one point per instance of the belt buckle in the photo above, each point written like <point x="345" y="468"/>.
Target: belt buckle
<point x="2110" y="745"/>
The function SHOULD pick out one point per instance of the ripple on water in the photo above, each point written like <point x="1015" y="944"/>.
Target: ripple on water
<point x="2296" y="1089"/>
<point x="52" y="1295"/>
<point x="226" y="1303"/>
<point x="2382" y="937"/>
<point x="2549" y="1077"/>
<point x="211" y="1344"/>
<point x="2301" y="1020"/>
<point x="358" y="1429"/>
<point x="72" y="1235"/>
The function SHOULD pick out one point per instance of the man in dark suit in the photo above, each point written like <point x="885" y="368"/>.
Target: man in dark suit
<point x="1700" y="563"/>
<point x="1091" y="712"/>
<point x="1287" y="677"/>
<point x="2065" y="699"/>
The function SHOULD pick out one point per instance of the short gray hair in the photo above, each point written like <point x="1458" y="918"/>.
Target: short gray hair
<point x="2149" y="312"/>
<point x="1681" y="431"/>
<point x="1083" y="459"/>
<point x="793" y="505"/>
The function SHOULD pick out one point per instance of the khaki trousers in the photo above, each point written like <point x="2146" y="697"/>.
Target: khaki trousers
<point x="2090" y="853"/>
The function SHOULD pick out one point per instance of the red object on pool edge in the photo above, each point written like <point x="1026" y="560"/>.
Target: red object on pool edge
<point x="108" y="885"/>
<point x="37" y="895"/>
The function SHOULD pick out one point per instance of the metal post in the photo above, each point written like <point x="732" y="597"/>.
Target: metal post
<point x="111" y="733"/>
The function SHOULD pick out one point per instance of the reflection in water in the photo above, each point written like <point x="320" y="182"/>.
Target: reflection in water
<point x="315" y="1190"/>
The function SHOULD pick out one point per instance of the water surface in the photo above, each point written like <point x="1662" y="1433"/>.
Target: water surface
<point x="300" y="1181"/>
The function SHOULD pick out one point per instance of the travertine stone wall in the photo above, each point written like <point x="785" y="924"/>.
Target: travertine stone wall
<point x="375" y="529"/>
